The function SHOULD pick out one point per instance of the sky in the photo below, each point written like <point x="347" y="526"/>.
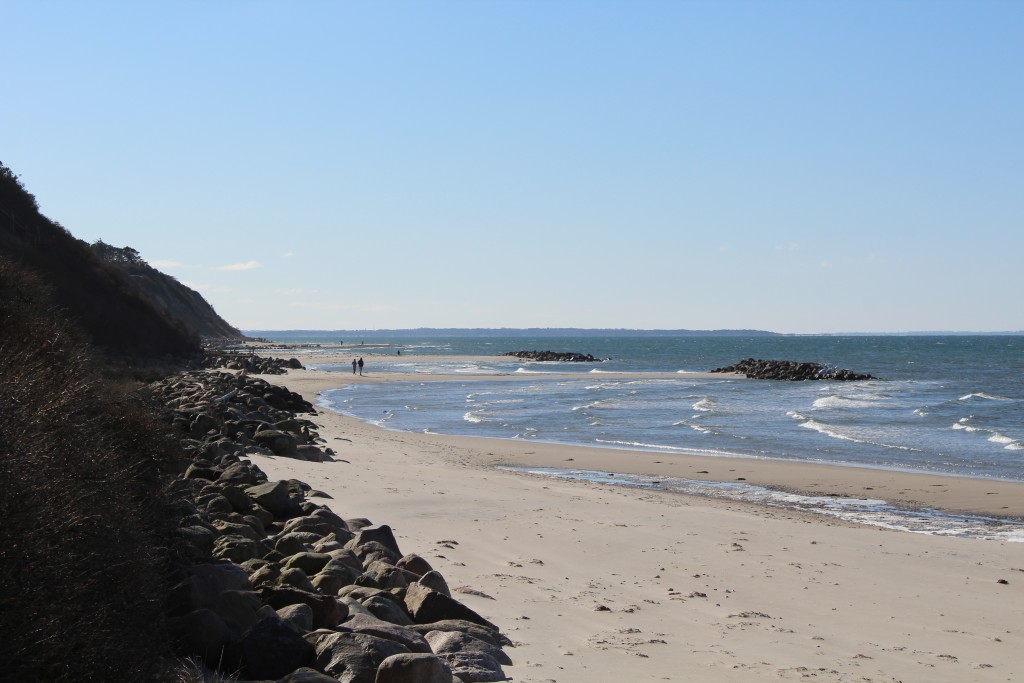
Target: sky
<point x="794" y="166"/>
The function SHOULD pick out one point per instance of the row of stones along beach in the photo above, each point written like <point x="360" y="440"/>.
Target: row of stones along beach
<point x="278" y="586"/>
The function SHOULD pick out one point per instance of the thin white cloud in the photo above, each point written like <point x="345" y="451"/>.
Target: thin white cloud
<point x="248" y="265"/>
<point x="195" y="285"/>
<point x="288" y="254"/>
<point x="343" y="306"/>
<point x="165" y="263"/>
<point x="320" y="305"/>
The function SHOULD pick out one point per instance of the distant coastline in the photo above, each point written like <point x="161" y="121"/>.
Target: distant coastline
<point x="592" y="332"/>
<point x="511" y="332"/>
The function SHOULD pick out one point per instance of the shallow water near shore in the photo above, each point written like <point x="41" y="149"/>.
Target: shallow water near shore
<point x="859" y="510"/>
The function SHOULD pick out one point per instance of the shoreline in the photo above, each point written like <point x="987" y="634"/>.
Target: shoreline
<point x="598" y="583"/>
<point x="913" y="490"/>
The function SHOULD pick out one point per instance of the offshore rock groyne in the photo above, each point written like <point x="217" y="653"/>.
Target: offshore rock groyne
<point x="791" y="370"/>
<point x="275" y="586"/>
<point x="563" y="357"/>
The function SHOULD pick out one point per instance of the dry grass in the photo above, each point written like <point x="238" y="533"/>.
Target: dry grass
<point x="82" y="544"/>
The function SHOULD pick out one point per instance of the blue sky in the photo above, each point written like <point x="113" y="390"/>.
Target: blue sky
<point x="791" y="166"/>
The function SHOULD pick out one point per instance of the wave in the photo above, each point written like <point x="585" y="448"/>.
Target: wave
<point x="830" y="431"/>
<point x="471" y="416"/>
<point x="640" y="444"/>
<point x="705" y="405"/>
<point x="855" y="401"/>
<point x="984" y="396"/>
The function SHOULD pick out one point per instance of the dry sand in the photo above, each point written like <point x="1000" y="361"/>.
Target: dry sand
<point x="597" y="583"/>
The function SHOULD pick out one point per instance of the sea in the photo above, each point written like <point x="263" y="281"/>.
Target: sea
<point x="950" y="405"/>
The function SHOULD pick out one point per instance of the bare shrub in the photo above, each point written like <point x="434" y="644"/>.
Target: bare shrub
<point x="81" y="561"/>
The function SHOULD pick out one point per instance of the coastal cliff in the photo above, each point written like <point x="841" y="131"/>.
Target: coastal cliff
<point x="126" y="309"/>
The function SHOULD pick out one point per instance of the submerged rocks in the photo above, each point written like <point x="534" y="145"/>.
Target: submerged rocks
<point x="791" y="370"/>
<point x="563" y="357"/>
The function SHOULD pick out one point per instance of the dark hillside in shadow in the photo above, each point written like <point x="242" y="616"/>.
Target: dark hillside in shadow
<point x="96" y="296"/>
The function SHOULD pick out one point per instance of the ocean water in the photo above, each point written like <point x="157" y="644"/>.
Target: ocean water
<point x="950" y="404"/>
<point x="941" y="404"/>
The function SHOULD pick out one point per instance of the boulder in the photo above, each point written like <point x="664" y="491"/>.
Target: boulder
<point x="297" y="578"/>
<point x="414" y="668"/>
<point x="242" y="474"/>
<point x="381" y="534"/>
<point x="415" y="564"/>
<point x="307" y="675"/>
<point x="386" y="610"/>
<point x="237" y="548"/>
<point x="272" y="649"/>
<point x="274" y="496"/>
<point x="300" y="616"/>
<point x="427" y="605"/>
<point x="435" y="581"/>
<point x="311" y="563"/>
<point x="295" y="542"/>
<point x="367" y="623"/>
<point x="447" y="642"/>
<point x="204" y="583"/>
<point x="458" y="625"/>
<point x="327" y="611"/>
<point x="352" y="657"/>
<point x="240" y="607"/>
<point x="474" y="667"/>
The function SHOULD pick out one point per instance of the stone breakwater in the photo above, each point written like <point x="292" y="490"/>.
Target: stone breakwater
<point x="554" y="356"/>
<point x="251" y="362"/>
<point x="273" y="586"/>
<point x="791" y="370"/>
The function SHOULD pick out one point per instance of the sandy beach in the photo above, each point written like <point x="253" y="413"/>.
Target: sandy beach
<point x="601" y="583"/>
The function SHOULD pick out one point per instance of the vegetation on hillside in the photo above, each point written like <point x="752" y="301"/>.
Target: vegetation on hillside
<point x="83" y="546"/>
<point x="110" y="310"/>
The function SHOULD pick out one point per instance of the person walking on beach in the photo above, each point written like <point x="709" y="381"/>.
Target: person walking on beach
<point x="353" y="366"/>
<point x="360" y="366"/>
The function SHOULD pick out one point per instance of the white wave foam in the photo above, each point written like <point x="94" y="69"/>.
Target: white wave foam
<point x="920" y="411"/>
<point x="639" y="444"/>
<point x="1000" y="438"/>
<point x="471" y="416"/>
<point x="983" y="395"/>
<point x="830" y="431"/>
<point x="839" y="401"/>
<point x="1015" y="446"/>
<point x="705" y="405"/>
